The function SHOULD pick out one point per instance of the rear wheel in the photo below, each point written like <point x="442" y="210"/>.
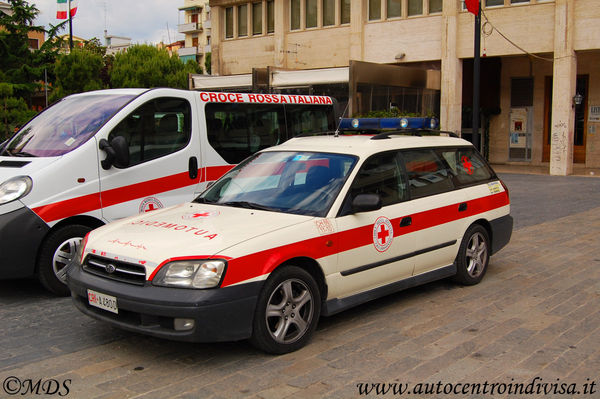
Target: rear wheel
<point x="287" y="311"/>
<point x="57" y="251"/>
<point x="473" y="256"/>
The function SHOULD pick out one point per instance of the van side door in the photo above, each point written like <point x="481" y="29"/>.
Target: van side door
<point x="164" y="157"/>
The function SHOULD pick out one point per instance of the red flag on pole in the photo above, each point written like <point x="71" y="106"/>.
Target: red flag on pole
<point x="472" y="6"/>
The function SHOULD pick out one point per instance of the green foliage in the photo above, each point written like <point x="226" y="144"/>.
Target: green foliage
<point x="208" y="63"/>
<point x="20" y="66"/>
<point x="146" y="66"/>
<point x="94" y="45"/>
<point x="78" y="71"/>
<point x="13" y="111"/>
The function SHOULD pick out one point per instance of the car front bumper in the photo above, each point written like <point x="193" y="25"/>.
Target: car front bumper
<point x="220" y="314"/>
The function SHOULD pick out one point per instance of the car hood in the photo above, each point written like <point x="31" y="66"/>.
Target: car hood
<point x="183" y="231"/>
<point x="22" y="166"/>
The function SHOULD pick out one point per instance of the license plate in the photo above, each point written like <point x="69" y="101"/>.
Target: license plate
<point x="102" y="301"/>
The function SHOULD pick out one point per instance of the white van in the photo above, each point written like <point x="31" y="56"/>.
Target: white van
<point x="100" y="156"/>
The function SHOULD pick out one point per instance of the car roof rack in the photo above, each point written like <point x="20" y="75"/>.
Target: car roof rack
<point x="412" y="132"/>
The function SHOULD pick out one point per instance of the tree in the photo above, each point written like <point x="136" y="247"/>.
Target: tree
<point x="208" y="63"/>
<point x="13" y="111"/>
<point x="20" y="66"/>
<point x="146" y="66"/>
<point x="78" y="71"/>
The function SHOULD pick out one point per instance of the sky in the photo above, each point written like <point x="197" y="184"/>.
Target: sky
<point x="144" y="21"/>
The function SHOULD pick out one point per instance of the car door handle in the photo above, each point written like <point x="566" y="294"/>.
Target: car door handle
<point x="193" y="168"/>
<point x="406" y="221"/>
<point x="462" y="207"/>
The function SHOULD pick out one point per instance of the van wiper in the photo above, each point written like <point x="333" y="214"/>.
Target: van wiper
<point x="22" y="154"/>
<point x="247" y="205"/>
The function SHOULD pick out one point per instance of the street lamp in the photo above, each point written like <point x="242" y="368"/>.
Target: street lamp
<point x="577" y="99"/>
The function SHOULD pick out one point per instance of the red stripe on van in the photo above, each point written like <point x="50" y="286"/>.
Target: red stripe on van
<point x="264" y="262"/>
<point x="92" y="202"/>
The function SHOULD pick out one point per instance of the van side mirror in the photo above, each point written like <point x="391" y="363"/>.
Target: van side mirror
<point x="117" y="152"/>
<point x="366" y="203"/>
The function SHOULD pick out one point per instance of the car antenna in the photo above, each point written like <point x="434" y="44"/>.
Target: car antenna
<point x="337" y="129"/>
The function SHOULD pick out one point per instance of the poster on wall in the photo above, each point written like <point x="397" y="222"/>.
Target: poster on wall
<point x="594" y="114"/>
<point x="518" y="127"/>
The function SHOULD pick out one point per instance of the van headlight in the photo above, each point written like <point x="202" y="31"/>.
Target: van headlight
<point x="190" y="274"/>
<point x="15" y="188"/>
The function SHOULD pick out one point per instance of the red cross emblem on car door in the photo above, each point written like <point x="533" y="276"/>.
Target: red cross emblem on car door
<point x="383" y="234"/>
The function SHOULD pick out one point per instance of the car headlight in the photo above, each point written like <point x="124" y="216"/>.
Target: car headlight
<point x="15" y="188"/>
<point x="190" y="274"/>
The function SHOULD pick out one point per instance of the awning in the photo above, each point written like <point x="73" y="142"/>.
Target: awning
<point x="190" y="8"/>
<point x="307" y="77"/>
<point x="205" y="82"/>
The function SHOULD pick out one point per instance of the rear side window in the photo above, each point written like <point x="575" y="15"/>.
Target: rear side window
<point x="467" y="166"/>
<point x="306" y="119"/>
<point x="157" y="128"/>
<point x="237" y="131"/>
<point x="428" y="173"/>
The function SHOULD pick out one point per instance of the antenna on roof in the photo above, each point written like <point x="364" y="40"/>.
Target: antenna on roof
<point x="337" y="129"/>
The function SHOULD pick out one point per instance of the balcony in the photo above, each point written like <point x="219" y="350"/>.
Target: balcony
<point x="190" y="27"/>
<point x="185" y="51"/>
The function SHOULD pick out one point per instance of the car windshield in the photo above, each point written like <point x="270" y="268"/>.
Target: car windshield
<point x="303" y="183"/>
<point x="64" y="126"/>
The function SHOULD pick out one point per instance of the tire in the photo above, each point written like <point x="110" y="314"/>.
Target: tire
<point x="56" y="252"/>
<point x="473" y="256"/>
<point x="287" y="311"/>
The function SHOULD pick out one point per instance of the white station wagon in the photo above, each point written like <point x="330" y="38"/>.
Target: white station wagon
<point x="297" y="231"/>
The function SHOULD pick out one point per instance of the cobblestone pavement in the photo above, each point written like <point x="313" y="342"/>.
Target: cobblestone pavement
<point x="535" y="314"/>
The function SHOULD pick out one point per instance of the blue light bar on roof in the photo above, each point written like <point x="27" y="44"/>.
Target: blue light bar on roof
<point x="388" y="123"/>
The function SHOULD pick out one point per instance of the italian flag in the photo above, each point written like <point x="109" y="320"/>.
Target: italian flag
<point x="63" y="6"/>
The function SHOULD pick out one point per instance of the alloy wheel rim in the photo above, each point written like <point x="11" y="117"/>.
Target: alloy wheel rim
<point x="476" y="255"/>
<point x="63" y="255"/>
<point x="289" y="311"/>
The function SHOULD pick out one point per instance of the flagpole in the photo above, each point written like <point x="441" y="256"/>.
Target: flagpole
<point x="70" y="28"/>
<point x="476" y="78"/>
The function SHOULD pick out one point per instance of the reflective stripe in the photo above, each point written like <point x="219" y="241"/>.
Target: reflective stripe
<point x="264" y="262"/>
<point x="91" y="202"/>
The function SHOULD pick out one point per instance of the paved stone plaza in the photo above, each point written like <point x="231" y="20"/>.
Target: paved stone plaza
<point x="535" y="314"/>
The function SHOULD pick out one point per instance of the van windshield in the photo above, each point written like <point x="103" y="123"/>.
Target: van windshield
<point x="64" y="126"/>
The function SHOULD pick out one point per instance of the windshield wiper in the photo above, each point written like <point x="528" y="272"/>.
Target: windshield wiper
<point x="248" y="205"/>
<point x="22" y="154"/>
<point x="202" y="200"/>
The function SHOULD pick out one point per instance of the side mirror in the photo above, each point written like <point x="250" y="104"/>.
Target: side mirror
<point x="117" y="152"/>
<point x="366" y="203"/>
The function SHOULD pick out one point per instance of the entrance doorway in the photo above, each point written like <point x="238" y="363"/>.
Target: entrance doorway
<point x="580" y="128"/>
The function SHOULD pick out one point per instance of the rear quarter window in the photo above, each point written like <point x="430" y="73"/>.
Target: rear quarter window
<point x="467" y="166"/>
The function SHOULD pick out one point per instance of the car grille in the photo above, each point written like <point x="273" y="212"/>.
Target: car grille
<point x="115" y="270"/>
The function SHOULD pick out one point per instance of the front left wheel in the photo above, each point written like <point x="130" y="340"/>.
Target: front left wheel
<point x="57" y="251"/>
<point x="287" y="311"/>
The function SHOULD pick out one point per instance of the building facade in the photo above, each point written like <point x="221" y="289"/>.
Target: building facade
<point x="197" y="29"/>
<point x="540" y="89"/>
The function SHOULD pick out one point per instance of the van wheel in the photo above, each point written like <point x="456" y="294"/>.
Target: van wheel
<point x="56" y="253"/>
<point x="287" y="311"/>
<point x="473" y="256"/>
